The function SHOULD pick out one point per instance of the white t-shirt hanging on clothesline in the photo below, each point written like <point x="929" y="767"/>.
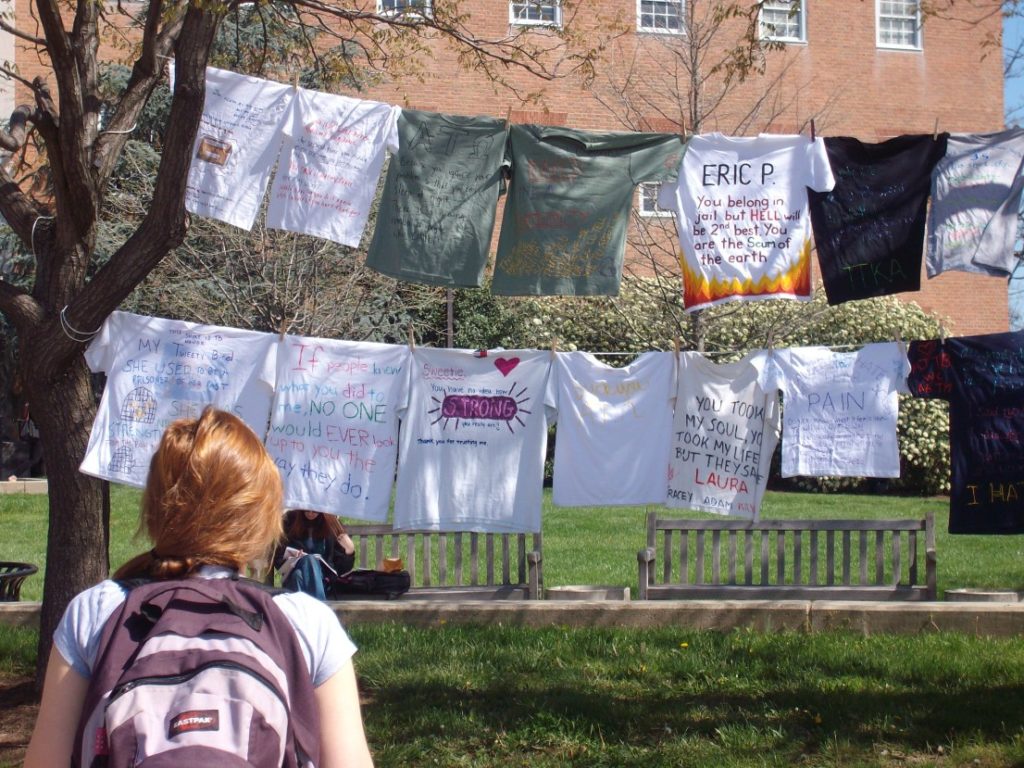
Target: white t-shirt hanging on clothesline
<point x="236" y="147"/>
<point x="614" y="426"/>
<point x="334" y="429"/>
<point x="840" y="409"/>
<point x="724" y="432"/>
<point x="332" y="158"/>
<point x="742" y="217"/>
<point x="472" y="442"/>
<point x="161" y="370"/>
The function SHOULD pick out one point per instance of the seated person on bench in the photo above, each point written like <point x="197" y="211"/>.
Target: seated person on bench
<point x="315" y="551"/>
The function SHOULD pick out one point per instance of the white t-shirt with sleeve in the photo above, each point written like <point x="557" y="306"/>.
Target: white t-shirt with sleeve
<point x="332" y="158"/>
<point x="325" y="645"/>
<point x="742" y="216"/>
<point x="334" y="424"/>
<point x="236" y="147"/>
<point x="613" y="429"/>
<point x="840" y="409"/>
<point x="473" y="439"/>
<point x="162" y="370"/>
<point x="725" y="429"/>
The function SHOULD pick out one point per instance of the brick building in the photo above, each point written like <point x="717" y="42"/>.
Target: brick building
<point x="864" y="68"/>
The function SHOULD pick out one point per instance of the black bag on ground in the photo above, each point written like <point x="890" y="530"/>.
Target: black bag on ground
<point x="367" y="582"/>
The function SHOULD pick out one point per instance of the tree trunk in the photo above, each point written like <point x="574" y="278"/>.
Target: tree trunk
<point x="63" y="410"/>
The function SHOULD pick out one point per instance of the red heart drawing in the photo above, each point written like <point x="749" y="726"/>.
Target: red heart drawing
<point x="506" y="364"/>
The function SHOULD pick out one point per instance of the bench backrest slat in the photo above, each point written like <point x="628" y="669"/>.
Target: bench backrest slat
<point x="458" y="559"/>
<point x="896" y="539"/>
<point x="474" y="558"/>
<point x="814" y="558"/>
<point x="879" y="557"/>
<point x="862" y="542"/>
<point x="912" y="555"/>
<point x="684" y="557"/>
<point x="442" y="559"/>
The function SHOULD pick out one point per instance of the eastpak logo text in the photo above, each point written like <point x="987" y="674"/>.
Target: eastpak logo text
<point x="194" y="720"/>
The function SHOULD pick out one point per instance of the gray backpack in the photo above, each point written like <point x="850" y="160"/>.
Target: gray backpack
<point x="195" y="673"/>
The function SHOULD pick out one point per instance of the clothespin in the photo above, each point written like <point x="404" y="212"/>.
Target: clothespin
<point x="678" y="346"/>
<point x="412" y="338"/>
<point x="480" y="353"/>
<point x="554" y="348"/>
<point x="898" y="338"/>
<point x="770" y="341"/>
<point x="508" y="119"/>
<point x="284" y="327"/>
<point x="935" y="133"/>
<point x="814" y="134"/>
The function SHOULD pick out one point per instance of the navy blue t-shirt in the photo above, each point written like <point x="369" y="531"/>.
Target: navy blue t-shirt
<point x="869" y="228"/>
<point x="982" y="377"/>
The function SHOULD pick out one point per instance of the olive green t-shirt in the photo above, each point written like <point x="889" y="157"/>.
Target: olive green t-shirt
<point x="564" y="229"/>
<point x="437" y="210"/>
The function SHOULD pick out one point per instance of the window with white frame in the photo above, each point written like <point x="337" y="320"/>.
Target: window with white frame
<point x="399" y="7"/>
<point x="665" y="16"/>
<point x="546" y="13"/>
<point x="648" y="206"/>
<point x="783" y="21"/>
<point x="898" y="23"/>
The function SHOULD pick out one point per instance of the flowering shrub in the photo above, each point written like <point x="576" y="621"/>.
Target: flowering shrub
<point x="648" y="314"/>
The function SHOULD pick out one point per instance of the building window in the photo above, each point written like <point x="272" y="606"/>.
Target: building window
<point x="544" y="13"/>
<point x="898" y="24"/>
<point x="649" y="207"/>
<point x="404" y="7"/>
<point x="783" y="21"/>
<point x="665" y="16"/>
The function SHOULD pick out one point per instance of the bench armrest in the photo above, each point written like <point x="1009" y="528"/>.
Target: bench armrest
<point x="645" y="570"/>
<point x="533" y="560"/>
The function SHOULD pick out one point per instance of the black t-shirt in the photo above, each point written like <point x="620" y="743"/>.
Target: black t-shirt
<point x="869" y="229"/>
<point x="982" y="377"/>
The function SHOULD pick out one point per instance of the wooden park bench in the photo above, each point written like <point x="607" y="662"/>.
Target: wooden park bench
<point x="788" y="559"/>
<point x="12" y="576"/>
<point x="456" y="565"/>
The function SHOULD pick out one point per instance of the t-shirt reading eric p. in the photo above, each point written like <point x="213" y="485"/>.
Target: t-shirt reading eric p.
<point x="741" y="212"/>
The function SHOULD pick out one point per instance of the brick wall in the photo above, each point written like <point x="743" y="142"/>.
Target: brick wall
<point x="839" y="78"/>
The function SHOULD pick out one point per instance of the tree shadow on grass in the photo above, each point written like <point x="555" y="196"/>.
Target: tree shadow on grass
<point x="800" y="720"/>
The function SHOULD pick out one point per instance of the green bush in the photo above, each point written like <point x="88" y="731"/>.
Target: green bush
<point x="648" y="314"/>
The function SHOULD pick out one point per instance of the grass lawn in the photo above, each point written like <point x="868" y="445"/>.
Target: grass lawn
<point x="507" y="696"/>
<point x="592" y="545"/>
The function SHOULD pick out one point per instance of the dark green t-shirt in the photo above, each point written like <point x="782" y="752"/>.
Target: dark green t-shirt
<point x="437" y="211"/>
<point x="564" y="229"/>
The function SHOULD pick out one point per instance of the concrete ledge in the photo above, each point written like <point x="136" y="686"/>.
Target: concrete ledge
<point x="586" y="592"/>
<point x="974" y="595"/>
<point x="989" y="619"/>
<point x="24" y="485"/>
<point x="20" y="614"/>
<point x="761" y="615"/>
